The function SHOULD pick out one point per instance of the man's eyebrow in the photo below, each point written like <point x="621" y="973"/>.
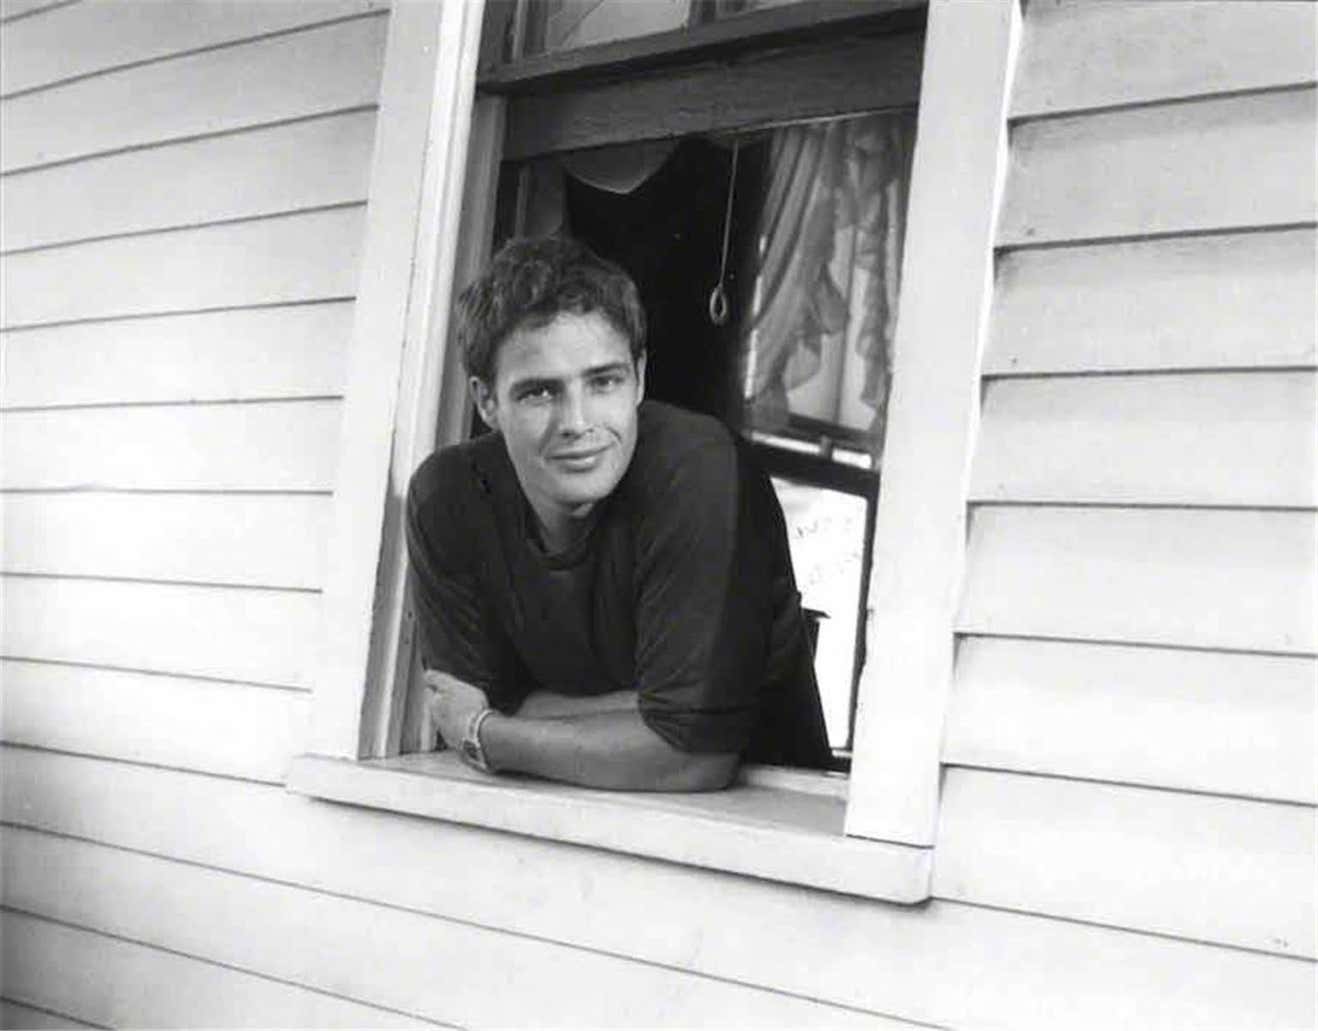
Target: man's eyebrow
<point x="533" y="383"/>
<point x="598" y="370"/>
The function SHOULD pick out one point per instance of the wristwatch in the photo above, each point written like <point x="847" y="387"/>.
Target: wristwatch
<point x="470" y="749"/>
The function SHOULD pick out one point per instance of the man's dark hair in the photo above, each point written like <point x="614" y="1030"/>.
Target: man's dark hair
<point x="529" y="283"/>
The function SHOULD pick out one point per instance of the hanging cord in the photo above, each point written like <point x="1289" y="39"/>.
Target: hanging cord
<point x="718" y="299"/>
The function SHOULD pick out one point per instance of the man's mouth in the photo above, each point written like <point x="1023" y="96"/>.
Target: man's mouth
<point x="578" y="461"/>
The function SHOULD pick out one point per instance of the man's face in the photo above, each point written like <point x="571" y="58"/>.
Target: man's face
<point x="565" y="398"/>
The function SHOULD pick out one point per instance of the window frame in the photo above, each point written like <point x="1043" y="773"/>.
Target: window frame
<point x="428" y="225"/>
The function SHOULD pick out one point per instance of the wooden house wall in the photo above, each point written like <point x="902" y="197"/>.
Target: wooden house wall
<point x="1127" y="831"/>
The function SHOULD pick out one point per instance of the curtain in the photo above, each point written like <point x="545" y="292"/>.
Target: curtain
<point x="818" y="341"/>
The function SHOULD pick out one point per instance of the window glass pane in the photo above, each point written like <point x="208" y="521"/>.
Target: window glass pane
<point x="826" y="532"/>
<point x="568" y="24"/>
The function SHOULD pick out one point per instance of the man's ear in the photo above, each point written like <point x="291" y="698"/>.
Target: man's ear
<point x="483" y="397"/>
<point x="640" y="377"/>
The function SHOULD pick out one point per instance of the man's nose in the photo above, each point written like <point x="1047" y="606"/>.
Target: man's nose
<point x="573" y="416"/>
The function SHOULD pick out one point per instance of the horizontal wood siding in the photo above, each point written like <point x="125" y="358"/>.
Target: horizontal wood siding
<point x="1225" y="723"/>
<point x="1078" y="55"/>
<point x="244" y="354"/>
<point x="184" y="196"/>
<point x="271" y="79"/>
<point x="222" y="727"/>
<point x="445" y="969"/>
<point x="277" y="445"/>
<point x="1209" y="165"/>
<point x="947" y="963"/>
<point x="1190" y="865"/>
<point x="302" y="257"/>
<point x="259" y="636"/>
<point x="1221" y="439"/>
<point x="1233" y="301"/>
<point x="267" y="540"/>
<point x="15" y="1014"/>
<point x="1201" y="578"/>
<point x="1130" y="738"/>
<point x="318" y="162"/>
<point x="127" y="984"/>
<point x="67" y="44"/>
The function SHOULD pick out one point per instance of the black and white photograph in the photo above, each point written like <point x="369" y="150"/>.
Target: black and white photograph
<point x="659" y="514"/>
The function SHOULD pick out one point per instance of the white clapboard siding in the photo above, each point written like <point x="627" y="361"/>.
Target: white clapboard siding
<point x="1190" y="865"/>
<point x="1076" y="54"/>
<point x="289" y="351"/>
<point x="15" y="1014"/>
<point x="235" y="730"/>
<point x="945" y="963"/>
<point x="1180" y="303"/>
<point x="1204" y="578"/>
<point x="1207" y="438"/>
<point x="261" y="540"/>
<point x="286" y="445"/>
<point x="306" y="164"/>
<point x="103" y="34"/>
<point x="1226" y="723"/>
<point x="274" y="79"/>
<point x="312" y="256"/>
<point x="114" y="983"/>
<point x="260" y="636"/>
<point x="20" y="8"/>
<point x="448" y="972"/>
<point x="1206" y="165"/>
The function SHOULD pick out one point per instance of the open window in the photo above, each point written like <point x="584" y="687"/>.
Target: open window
<point x="839" y="421"/>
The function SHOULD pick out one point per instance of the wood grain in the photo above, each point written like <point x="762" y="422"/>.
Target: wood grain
<point x="93" y="37"/>
<point x="234" y="730"/>
<point x="1219" y="722"/>
<point x="283" y="446"/>
<point x="1203" y="578"/>
<point x="1209" y="165"/>
<point x="264" y="637"/>
<point x="1077" y="55"/>
<point x="1207" y="439"/>
<point x="945" y="963"/>
<point x="290" y="351"/>
<point x="268" y="171"/>
<point x="303" y="257"/>
<point x="1180" y="303"/>
<point x="268" y="80"/>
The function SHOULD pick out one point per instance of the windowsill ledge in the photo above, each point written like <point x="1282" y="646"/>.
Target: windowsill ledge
<point x="777" y="826"/>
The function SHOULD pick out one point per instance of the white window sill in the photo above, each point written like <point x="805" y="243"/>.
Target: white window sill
<point x="778" y="825"/>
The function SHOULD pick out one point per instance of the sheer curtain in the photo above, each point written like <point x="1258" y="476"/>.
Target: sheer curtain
<point x="818" y="340"/>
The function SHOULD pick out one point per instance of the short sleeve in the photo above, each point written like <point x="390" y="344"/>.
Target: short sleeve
<point x="704" y="609"/>
<point x="458" y="630"/>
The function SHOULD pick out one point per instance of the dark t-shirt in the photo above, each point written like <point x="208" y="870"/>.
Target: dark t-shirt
<point x="682" y="589"/>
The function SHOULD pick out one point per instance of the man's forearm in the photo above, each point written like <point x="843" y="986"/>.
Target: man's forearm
<point x="604" y="750"/>
<point x="550" y="705"/>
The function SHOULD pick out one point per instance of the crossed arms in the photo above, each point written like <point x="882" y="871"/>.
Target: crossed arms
<point x="599" y="741"/>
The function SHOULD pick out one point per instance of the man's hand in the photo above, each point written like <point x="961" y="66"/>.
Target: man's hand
<point x="452" y="704"/>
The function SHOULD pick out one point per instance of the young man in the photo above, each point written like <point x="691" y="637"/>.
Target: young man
<point x="602" y="584"/>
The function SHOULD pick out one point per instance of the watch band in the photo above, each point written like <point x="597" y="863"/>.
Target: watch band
<point x="471" y="750"/>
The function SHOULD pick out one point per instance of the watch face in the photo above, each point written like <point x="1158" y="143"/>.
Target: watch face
<point x="471" y="751"/>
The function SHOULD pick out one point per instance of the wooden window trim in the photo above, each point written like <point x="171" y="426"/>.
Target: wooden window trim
<point x="725" y="40"/>
<point x="432" y="187"/>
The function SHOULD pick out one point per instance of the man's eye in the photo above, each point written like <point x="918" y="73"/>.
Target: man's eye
<point x="608" y="381"/>
<point x="536" y="395"/>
